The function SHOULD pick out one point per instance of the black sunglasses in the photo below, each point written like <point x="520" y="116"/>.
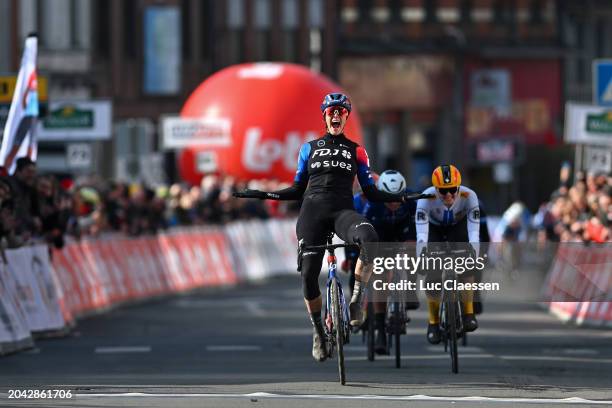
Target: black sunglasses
<point x="444" y="191"/>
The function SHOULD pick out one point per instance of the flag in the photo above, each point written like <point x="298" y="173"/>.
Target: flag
<point x="19" y="137"/>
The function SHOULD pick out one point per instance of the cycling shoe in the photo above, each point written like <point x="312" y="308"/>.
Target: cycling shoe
<point x="470" y="323"/>
<point x="433" y="333"/>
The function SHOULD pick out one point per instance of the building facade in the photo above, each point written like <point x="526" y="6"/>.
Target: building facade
<point x="479" y="83"/>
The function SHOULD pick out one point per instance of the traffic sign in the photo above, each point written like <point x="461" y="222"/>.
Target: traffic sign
<point x="79" y="155"/>
<point x="598" y="159"/>
<point x="7" y="87"/>
<point x="602" y="82"/>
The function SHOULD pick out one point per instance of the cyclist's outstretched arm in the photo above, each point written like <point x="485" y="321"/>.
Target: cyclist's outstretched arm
<point x="293" y="192"/>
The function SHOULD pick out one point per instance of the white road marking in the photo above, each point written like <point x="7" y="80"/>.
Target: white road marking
<point x="571" y="351"/>
<point x="462" y="349"/>
<point x="254" y="308"/>
<point x="441" y="356"/>
<point x="559" y="358"/>
<point x="123" y="349"/>
<point x="356" y="348"/>
<point x="228" y="347"/>
<point x="264" y="395"/>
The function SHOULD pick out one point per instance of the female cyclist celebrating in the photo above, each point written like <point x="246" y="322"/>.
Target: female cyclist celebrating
<point x="324" y="179"/>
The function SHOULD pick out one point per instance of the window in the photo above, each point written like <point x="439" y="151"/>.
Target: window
<point x="235" y="14"/>
<point x="5" y="10"/>
<point x="56" y="24"/>
<point x="81" y="33"/>
<point x="289" y="24"/>
<point x="289" y="19"/>
<point x="262" y="15"/>
<point x="315" y="9"/>
<point x="162" y="50"/>
<point x="28" y="15"/>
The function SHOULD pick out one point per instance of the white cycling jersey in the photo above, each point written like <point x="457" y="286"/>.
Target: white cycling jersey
<point x="434" y="211"/>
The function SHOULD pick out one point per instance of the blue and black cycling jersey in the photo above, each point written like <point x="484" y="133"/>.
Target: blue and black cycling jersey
<point x="326" y="169"/>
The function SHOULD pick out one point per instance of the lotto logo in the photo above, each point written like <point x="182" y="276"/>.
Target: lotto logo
<point x="346" y="154"/>
<point x="315" y="165"/>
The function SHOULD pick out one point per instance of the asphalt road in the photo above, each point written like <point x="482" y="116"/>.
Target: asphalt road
<point x="250" y="346"/>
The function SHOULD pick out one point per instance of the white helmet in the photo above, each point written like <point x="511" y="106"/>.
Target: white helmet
<point x="391" y="181"/>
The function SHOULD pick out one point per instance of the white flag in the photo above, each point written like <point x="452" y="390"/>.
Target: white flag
<point x="19" y="138"/>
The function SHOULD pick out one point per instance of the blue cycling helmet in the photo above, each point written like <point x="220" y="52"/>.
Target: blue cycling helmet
<point x="336" y="99"/>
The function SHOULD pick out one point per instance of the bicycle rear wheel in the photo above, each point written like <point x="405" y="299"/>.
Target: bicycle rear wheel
<point x="451" y="319"/>
<point x="338" y="329"/>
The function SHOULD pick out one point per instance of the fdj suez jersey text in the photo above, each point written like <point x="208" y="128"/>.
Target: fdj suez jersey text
<point x="425" y="263"/>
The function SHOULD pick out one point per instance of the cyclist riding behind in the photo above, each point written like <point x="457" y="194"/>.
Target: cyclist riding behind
<point x="452" y="216"/>
<point x="394" y="222"/>
<point x="326" y="169"/>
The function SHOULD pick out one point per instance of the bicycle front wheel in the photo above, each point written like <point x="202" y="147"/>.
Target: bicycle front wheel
<point x="451" y="320"/>
<point x="396" y="330"/>
<point x="338" y="328"/>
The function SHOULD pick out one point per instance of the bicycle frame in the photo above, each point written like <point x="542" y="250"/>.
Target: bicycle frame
<point x="332" y="268"/>
<point x="453" y="294"/>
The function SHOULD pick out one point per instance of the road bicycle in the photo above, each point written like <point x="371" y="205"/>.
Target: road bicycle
<point x="337" y="320"/>
<point x="397" y="318"/>
<point x="451" y="310"/>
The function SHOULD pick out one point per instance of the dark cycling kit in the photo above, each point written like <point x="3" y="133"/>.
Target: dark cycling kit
<point x="392" y="226"/>
<point x="325" y="173"/>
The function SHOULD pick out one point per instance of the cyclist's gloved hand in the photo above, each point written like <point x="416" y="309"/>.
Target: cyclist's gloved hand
<point x="248" y="193"/>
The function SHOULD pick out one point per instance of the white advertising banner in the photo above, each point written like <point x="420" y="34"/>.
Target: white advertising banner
<point x="14" y="331"/>
<point x="77" y="121"/>
<point x="50" y="290"/>
<point x="588" y="124"/>
<point x="178" y="133"/>
<point x="28" y="288"/>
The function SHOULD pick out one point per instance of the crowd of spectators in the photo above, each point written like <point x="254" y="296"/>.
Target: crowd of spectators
<point x="42" y="207"/>
<point x="581" y="212"/>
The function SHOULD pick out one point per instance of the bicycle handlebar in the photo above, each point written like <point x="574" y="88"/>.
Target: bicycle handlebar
<point x="418" y="196"/>
<point x="328" y="247"/>
<point x="450" y="252"/>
